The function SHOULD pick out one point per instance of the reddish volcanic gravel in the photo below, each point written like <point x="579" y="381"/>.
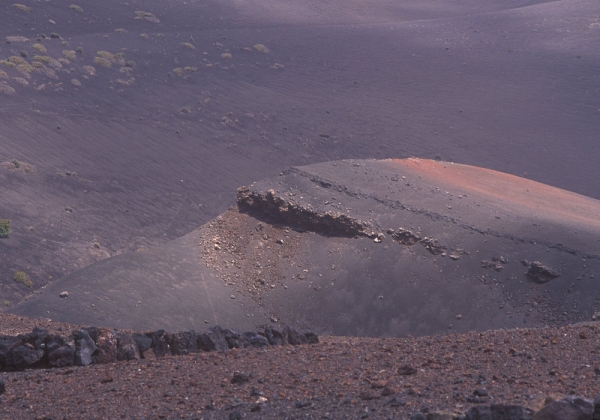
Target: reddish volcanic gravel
<point x="341" y="377"/>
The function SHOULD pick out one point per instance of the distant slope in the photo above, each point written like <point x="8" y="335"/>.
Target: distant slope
<point x="358" y="247"/>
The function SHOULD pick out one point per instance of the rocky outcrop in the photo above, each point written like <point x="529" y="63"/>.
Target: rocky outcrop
<point x="286" y="211"/>
<point x="540" y="273"/>
<point x="40" y="349"/>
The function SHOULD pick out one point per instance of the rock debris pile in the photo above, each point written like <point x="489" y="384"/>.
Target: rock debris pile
<point x="91" y="345"/>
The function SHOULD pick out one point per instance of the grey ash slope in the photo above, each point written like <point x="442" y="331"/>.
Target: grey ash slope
<point x="154" y="145"/>
<point x="359" y="247"/>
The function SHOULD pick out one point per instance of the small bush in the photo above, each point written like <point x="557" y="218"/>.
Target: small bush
<point x="188" y="45"/>
<point x="69" y="54"/>
<point x="21" y="277"/>
<point x="106" y="55"/>
<point x="261" y="48"/>
<point x="39" y="47"/>
<point x="22" y="8"/>
<point x="226" y="55"/>
<point x="25" y="68"/>
<point x="42" y="59"/>
<point x="121" y="31"/>
<point x="4" y="228"/>
<point x="3" y="75"/>
<point x="6" y="303"/>
<point x="78" y="9"/>
<point x="101" y="61"/>
<point x="15" y="59"/>
<point x="139" y="14"/>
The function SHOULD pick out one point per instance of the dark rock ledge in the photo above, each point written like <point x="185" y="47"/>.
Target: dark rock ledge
<point x="568" y="408"/>
<point x="91" y="345"/>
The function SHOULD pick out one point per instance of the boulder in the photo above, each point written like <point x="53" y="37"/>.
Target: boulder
<point x="144" y="344"/>
<point x="6" y="343"/>
<point x="311" y="337"/>
<point x="213" y="340"/>
<point x="23" y="356"/>
<point x="85" y="348"/>
<point x="234" y="339"/>
<point x="255" y="340"/>
<point x="568" y="408"/>
<point x="35" y="338"/>
<point x="274" y="337"/>
<point x="127" y="348"/>
<point x="59" y="353"/>
<point x="107" y="346"/>
<point x="184" y="342"/>
<point x="499" y="412"/>
<point x="293" y="337"/>
<point x="160" y="343"/>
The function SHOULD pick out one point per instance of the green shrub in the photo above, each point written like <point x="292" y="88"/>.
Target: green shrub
<point x="39" y="47"/>
<point x="22" y="8"/>
<point x="78" y="9"/>
<point x="42" y="58"/>
<point x="17" y="60"/>
<point x="261" y="48"/>
<point x="4" y="228"/>
<point x="21" y="277"/>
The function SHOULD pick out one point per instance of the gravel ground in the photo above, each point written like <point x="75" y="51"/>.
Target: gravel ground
<point x="341" y="377"/>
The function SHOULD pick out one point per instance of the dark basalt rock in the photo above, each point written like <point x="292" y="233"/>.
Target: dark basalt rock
<point x="568" y="408"/>
<point x="499" y="412"/>
<point x="597" y="408"/>
<point x="540" y="273"/>
<point x="274" y="337"/>
<point x="184" y="342"/>
<point x="293" y="337"/>
<point x="144" y="343"/>
<point x="127" y="348"/>
<point x="311" y="337"/>
<point x="41" y="349"/>
<point x="234" y="339"/>
<point x="23" y="356"/>
<point x="213" y="340"/>
<point x="85" y="348"/>
<point x="255" y="340"/>
<point x="59" y="353"/>
<point x="330" y="223"/>
<point x="160" y="343"/>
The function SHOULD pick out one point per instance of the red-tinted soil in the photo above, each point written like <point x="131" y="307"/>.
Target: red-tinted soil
<point x="341" y="377"/>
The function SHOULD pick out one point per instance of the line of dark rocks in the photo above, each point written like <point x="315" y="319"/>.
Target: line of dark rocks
<point x="91" y="345"/>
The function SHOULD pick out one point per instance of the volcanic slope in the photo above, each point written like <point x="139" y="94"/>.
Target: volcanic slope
<point x="125" y="125"/>
<point x="359" y="247"/>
